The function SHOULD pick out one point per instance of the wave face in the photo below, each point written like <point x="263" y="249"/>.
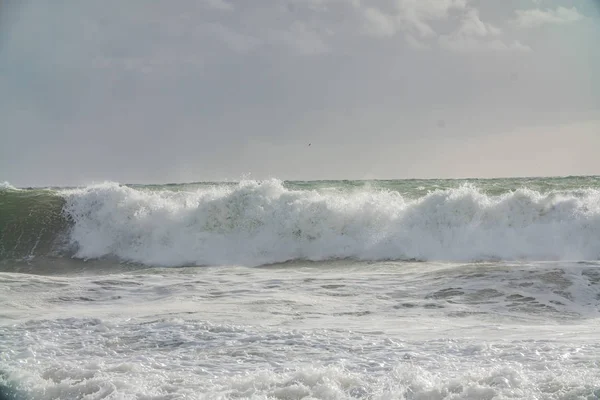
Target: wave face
<point x="255" y="223"/>
<point x="32" y="223"/>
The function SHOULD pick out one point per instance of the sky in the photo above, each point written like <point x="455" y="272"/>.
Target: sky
<point x="144" y="91"/>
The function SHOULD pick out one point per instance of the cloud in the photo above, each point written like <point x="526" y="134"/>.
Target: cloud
<point x="300" y="38"/>
<point x="475" y="35"/>
<point x="379" y="24"/>
<point x="416" y="16"/>
<point x="195" y="83"/>
<point x="421" y="21"/>
<point x="410" y="16"/>
<point x="537" y="17"/>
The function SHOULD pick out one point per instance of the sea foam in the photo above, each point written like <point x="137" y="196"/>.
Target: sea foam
<point x="254" y="223"/>
<point x="7" y="186"/>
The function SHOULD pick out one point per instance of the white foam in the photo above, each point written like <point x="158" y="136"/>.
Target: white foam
<point x="7" y="186"/>
<point x="255" y="223"/>
<point x="171" y="359"/>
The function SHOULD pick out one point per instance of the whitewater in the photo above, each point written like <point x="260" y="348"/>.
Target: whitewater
<point x="398" y="289"/>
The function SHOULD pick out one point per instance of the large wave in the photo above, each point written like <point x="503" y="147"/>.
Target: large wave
<point x="256" y="223"/>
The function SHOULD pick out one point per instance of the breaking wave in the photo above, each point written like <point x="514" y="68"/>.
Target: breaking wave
<point x="255" y="223"/>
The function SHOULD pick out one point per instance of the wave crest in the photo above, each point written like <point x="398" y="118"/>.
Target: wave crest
<point x="256" y="223"/>
<point x="7" y="186"/>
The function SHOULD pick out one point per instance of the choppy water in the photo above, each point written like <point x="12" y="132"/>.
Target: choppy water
<point x="289" y="290"/>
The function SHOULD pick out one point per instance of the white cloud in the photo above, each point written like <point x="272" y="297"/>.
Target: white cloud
<point x="475" y="35"/>
<point x="380" y="24"/>
<point x="411" y="16"/>
<point x="536" y="17"/>
<point x="473" y="26"/>
<point x="420" y="21"/>
<point x="416" y="15"/>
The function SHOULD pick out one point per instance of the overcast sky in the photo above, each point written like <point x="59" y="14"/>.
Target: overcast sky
<point x="189" y="90"/>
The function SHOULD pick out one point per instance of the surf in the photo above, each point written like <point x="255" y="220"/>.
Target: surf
<point x="254" y="223"/>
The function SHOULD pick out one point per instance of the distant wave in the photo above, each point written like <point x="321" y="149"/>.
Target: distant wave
<point x="255" y="223"/>
<point x="7" y="186"/>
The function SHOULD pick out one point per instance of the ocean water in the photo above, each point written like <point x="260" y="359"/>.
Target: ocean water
<point x="415" y="289"/>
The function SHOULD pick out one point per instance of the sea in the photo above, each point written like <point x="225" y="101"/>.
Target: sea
<point x="380" y="289"/>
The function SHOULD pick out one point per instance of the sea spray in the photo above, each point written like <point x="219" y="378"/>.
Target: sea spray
<point x="255" y="223"/>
